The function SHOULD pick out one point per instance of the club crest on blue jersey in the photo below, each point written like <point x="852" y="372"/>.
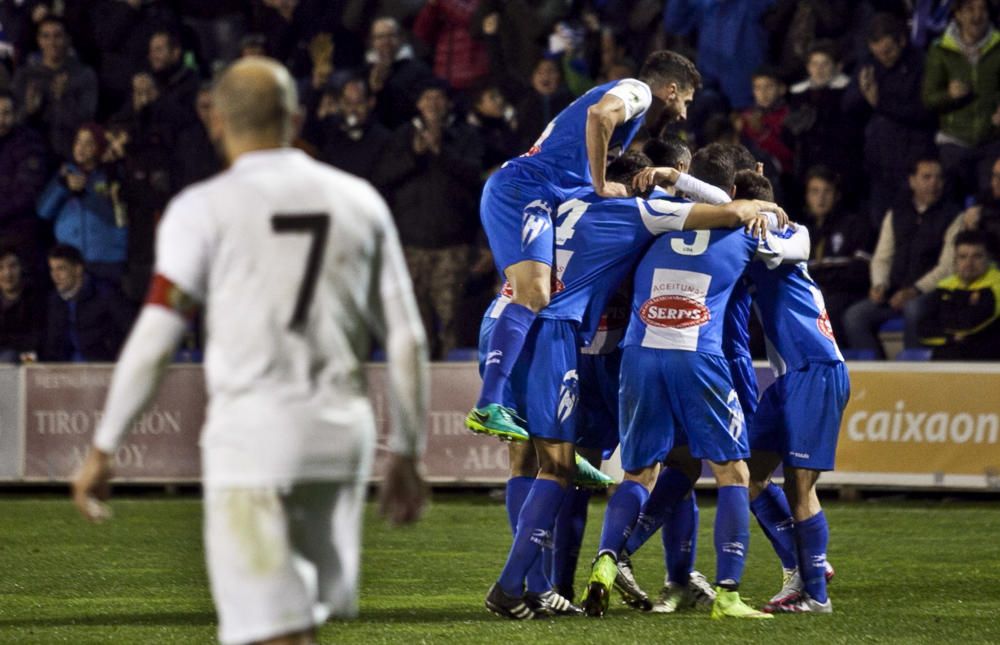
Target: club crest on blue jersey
<point x="569" y="395"/>
<point x="825" y="326"/>
<point x="536" y="220"/>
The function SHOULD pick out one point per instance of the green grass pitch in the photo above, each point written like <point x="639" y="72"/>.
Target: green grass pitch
<point x="907" y="572"/>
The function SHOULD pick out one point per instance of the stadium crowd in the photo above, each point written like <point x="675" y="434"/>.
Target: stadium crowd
<point x="877" y="121"/>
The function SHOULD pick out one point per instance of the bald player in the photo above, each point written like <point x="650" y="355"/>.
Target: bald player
<point x="298" y="265"/>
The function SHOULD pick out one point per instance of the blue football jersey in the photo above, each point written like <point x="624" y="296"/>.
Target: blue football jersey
<point x="598" y="242"/>
<point x="560" y="153"/>
<point x="612" y="323"/>
<point x="792" y="311"/>
<point x="682" y="286"/>
<point x="736" y="326"/>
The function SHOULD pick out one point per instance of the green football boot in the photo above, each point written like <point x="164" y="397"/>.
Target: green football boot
<point x="497" y="421"/>
<point x="589" y="477"/>
<point x="598" y="593"/>
<point x="728" y="604"/>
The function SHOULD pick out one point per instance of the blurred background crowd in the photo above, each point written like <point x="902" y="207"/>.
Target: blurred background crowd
<point x="878" y="123"/>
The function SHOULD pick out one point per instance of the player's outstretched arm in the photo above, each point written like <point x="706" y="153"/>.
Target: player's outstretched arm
<point x="602" y="119"/>
<point x="147" y="352"/>
<point x="403" y="494"/>
<point x="748" y="213"/>
<point x="695" y="189"/>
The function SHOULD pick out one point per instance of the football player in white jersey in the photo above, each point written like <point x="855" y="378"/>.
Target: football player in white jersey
<point x="297" y="265"/>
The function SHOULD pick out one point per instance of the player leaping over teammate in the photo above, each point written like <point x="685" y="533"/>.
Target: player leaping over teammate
<point x="521" y="199"/>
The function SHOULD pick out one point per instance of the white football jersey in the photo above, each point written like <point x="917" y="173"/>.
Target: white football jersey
<point x="297" y="264"/>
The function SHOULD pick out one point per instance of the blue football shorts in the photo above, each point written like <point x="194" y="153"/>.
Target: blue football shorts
<point x="799" y="415"/>
<point x="518" y="210"/>
<point x="664" y="391"/>
<point x="597" y="418"/>
<point x="745" y="383"/>
<point x="543" y="386"/>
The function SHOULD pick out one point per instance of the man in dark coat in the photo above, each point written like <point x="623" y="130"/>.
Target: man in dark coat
<point x="87" y="320"/>
<point x="23" y="174"/>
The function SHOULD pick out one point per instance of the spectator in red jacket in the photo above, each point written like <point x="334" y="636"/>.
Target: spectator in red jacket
<point x="764" y="122"/>
<point x="444" y="25"/>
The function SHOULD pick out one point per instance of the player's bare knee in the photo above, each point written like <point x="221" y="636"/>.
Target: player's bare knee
<point x="531" y="284"/>
<point x="533" y="298"/>
<point x="565" y="473"/>
<point x="646" y="477"/>
<point x="761" y="465"/>
<point x="757" y="487"/>
<point x="731" y="473"/>
<point x="523" y="461"/>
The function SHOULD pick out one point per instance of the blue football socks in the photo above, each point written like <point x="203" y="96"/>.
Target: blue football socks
<point x="812" y="537"/>
<point x="671" y="486"/>
<point x="732" y="535"/>
<point x="680" y="539"/>
<point x="620" y="516"/>
<point x="505" y="345"/>
<point x="517" y="491"/>
<point x="534" y="531"/>
<point x="775" y="518"/>
<point x="570" y="525"/>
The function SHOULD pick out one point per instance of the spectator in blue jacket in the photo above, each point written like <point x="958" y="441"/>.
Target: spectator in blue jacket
<point x="731" y="42"/>
<point x="81" y="202"/>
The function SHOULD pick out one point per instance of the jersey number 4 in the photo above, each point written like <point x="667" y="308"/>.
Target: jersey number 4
<point x="316" y="225"/>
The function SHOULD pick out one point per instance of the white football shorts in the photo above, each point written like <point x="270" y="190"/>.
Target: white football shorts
<point x="282" y="560"/>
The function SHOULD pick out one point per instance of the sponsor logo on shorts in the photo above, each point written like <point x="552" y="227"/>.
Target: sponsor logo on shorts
<point x="736" y="420"/>
<point x="494" y="357"/>
<point x="825" y="326"/>
<point x="536" y="220"/>
<point x="569" y="394"/>
<point x="678" y="312"/>
<point x="799" y="455"/>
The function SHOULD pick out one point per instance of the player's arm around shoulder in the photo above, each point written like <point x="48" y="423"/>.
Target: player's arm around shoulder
<point x="751" y="214"/>
<point x="787" y="245"/>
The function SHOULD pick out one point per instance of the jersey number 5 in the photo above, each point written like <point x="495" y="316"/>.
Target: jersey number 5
<point x="317" y="225"/>
<point x="696" y="247"/>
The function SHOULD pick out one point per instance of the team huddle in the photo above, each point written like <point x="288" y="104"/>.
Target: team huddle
<point x="623" y="324"/>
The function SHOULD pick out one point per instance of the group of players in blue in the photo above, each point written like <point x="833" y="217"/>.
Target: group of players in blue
<point x="623" y="323"/>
